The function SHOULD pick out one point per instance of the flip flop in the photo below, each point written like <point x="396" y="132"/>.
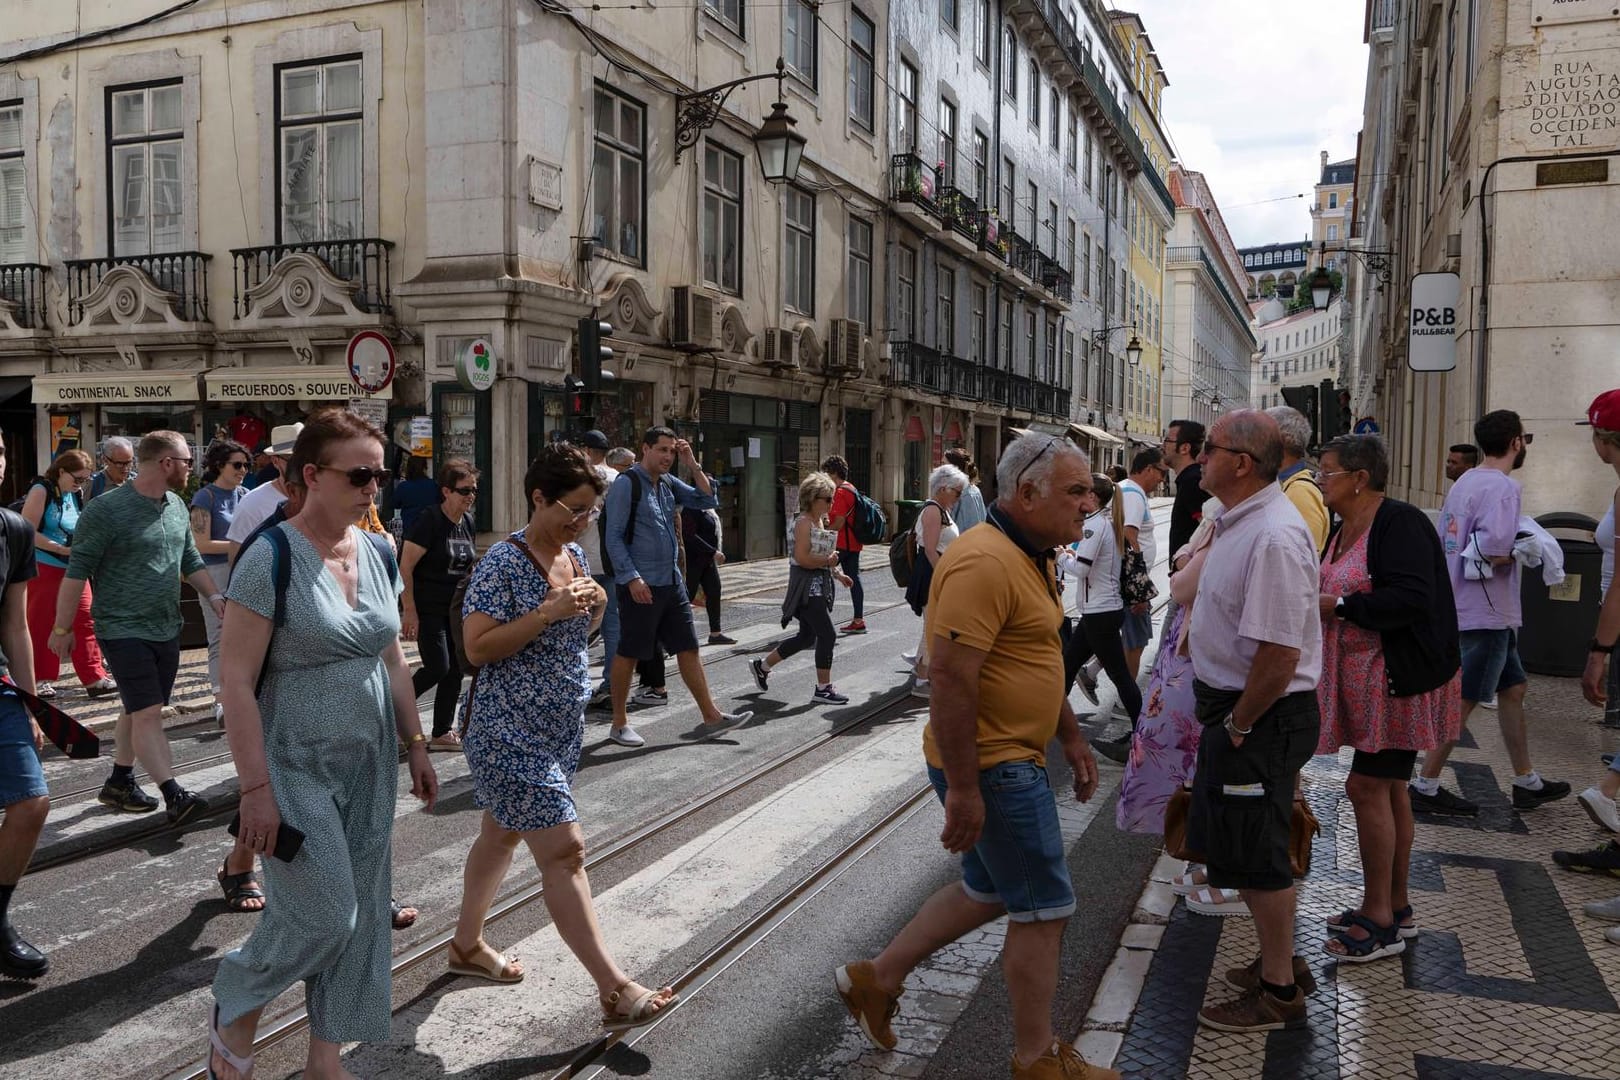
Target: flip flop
<point x="496" y="973"/>
<point x="396" y="912"/>
<point x="216" y="1044"/>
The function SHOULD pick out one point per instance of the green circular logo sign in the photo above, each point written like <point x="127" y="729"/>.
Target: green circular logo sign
<point x="475" y="368"/>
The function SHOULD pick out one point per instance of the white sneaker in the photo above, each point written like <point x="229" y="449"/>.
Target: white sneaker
<point x="919" y="689"/>
<point x="1608" y="910"/>
<point x="219" y="716"/>
<point x="626" y="736"/>
<point x="728" y="722"/>
<point x="1613" y="934"/>
<point x="910" y="658"/>
<point x="1491" y="704"/>
<point x="1600" y="808"/>
<point x="1093" y="668"/>
<point x="649" y="696"/>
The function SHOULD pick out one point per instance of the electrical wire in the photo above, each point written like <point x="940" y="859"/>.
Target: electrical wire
<point x="96" y="35"/>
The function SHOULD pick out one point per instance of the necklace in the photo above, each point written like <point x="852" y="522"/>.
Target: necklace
<point x="331" y="551"/>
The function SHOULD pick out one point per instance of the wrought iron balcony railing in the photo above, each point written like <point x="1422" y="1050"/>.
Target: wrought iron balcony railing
<point x="960" y="212"/>
<point x="911" y="180"/>
<point x="181" y="273"/>
<point x="363" y="262"/>
<point x="23" y="284"/>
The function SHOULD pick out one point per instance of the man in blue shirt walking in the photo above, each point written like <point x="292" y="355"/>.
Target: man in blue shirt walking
<point x="642" y="542"/>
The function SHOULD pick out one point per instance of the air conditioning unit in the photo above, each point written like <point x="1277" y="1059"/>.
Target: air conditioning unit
<point x="779" y="348"/>
<point x="844" y="347"/>
<point x="694" y="321"/>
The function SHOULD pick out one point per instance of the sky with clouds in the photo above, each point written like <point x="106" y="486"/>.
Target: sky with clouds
<point x="1256" y="91"/>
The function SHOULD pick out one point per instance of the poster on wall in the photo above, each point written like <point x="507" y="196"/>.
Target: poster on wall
<point x="66" y="431"/>
<point x="422" y="436"/>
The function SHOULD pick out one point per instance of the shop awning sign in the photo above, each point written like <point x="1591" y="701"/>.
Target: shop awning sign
<point x="371" y="360"/>
<point x="286" y="384"/>
<point x="115" y="388"/>
<point x="1431" y="338"/>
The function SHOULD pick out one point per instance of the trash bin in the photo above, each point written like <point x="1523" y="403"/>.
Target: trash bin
<point x="906" y="511"/>
<point x="1559" y="621"/>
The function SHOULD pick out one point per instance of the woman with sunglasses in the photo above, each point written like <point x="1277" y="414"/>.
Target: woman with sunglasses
<point x="52" y="507"/>
<point x="315" y="748"/>
<point x="213" y="508"/>
<point x="531" y="605"/>
<point x="439" y="551"/>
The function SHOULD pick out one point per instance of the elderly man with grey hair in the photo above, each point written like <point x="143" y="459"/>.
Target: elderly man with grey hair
<point x="992" y="623"/>
<point x="1297" y="477"/>
<point x="1255" y="637"/>
<point x="117" y="459"/>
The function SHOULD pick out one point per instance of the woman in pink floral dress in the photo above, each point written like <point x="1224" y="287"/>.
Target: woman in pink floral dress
<point x="1390" y="686"/>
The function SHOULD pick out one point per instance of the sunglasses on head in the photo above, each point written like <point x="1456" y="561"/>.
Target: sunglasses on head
<point x="361" y="475"/>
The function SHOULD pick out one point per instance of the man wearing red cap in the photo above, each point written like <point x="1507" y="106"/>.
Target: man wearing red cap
<point x="1603" y="417"/>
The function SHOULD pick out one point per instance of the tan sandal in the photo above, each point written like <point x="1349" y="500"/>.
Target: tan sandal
<point x="502" y="972"/>
<point x="620" y="1013"/>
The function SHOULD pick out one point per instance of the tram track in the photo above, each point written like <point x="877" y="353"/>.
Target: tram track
<point x="296" y="1021"/>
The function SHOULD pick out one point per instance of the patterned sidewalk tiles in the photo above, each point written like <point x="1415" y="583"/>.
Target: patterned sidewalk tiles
<point x="1508" y="980"/>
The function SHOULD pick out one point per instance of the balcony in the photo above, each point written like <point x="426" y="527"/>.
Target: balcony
<point x="997" y="386"/>
<point x="1021" y="258"/>
<point x="1195" y="253"/>
<point x="22" y="296"/>
<point x="913" y="185"/>
<point x="992" y="237"/>
<point x="357" y="276"/>
<point x="1381" y="17"/>
<point x="1055" y="280"/>
<point x="130" y="290"/>
<point x="964" y="377"/>
<point x="917" y="366"/>
<point x="960" y="215"/>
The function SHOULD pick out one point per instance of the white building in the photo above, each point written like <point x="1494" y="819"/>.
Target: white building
<point x="1209" y="345"/>
<point x="1296" y="350"/>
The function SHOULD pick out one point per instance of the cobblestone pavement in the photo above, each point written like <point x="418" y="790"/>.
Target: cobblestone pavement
<point x="1509" y="980"/>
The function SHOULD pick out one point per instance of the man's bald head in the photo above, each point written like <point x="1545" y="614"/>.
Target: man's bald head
<point x="1252" y="432"/>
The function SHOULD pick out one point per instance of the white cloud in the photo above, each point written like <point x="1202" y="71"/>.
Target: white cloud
<point x="1256" y="91"/>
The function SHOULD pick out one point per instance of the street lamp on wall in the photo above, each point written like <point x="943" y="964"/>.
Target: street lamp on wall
<point x="1321" y="289"/>
<point x="779" y="145"/>
<point x="1133" y="348"/>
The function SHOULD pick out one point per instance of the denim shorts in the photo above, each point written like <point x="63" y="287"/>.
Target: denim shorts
<point x="1490" y="663"/>
<point x="20" y="775"/>
<point x="1137" y="630"/>
<point x="1019" y="859"/>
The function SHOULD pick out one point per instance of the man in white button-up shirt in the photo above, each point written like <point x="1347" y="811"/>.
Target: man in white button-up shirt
<point x="1256" y="646"/>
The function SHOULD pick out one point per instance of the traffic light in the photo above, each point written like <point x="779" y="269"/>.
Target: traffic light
<point x="593" y="353"/>
<point x="1304" y="399"/>
<point x="579" y="403"/>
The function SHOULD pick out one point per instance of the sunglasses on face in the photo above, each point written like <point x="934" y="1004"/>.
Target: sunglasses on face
<point x="183" y="460"/>
<point x="236" y="464"/>
<point x="361" y="475"/>
<point x="466" y="492"/>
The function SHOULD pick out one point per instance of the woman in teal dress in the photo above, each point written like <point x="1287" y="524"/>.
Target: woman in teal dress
<point x="315" y="748"/>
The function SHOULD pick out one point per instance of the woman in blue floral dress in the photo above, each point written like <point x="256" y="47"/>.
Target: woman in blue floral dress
<point x="530" y="607"/>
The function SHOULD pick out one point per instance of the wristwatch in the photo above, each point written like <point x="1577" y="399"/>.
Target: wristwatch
<point x="1338" y="608"/>
<point x="1606" y="650"/>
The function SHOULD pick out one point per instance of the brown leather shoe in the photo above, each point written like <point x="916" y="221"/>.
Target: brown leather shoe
<point x="1248" y="977"/>
<point x="1062" y="1062"/>
<point x="871" y="1006"/>
<point x="1255" y="1010"/>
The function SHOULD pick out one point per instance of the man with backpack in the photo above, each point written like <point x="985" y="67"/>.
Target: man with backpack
<point x="859" y="521"/>
<point x="117" y="458"/>
<point x="642" y="540"/>
<point x="135" y="542"/>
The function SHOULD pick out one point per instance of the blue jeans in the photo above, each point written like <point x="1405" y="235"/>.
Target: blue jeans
<point x="610" y="622"/>
<point x="1490" y="663"/>
<point x="20" y="774"/>
<point x="850" y="563"/>
<point x="1019" y="859"/>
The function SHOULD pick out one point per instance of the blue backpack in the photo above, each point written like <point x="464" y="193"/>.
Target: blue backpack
<point x="866" y="518"/>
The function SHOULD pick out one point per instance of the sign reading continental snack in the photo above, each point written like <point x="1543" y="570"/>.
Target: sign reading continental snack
<point x="286" y="384"/>
<point x="115" y="388"/>
<point x="475" y="367"/>
<point x="1431" y="339"/>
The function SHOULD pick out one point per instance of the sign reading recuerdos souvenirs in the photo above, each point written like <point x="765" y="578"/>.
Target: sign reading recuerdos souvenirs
<point x="475" y="367"/>
<point x="1431" y="339"/>
<point x="371" y="360"/>
<point x="1549" y="12"/>
<point x="317" y="383"/>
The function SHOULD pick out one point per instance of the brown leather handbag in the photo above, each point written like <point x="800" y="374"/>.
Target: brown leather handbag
<point x="1305" y="828"/>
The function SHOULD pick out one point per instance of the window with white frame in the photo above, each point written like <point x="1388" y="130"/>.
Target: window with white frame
<point x="799" y="40"/>
<point x="1009" y="63"/>
<point x="1085" y="265"/>
<point x="1034" y="96"/>
<point x="950" y="13"/>
<point x="1004" y="341"/>
<point x="1333" y="232"/>
<point x="906" y="108"/>
<point x="14" y="246"/>
<point x="1055" y="103"/>
<point x="1049" y="372"/>
<point x="722" y="218"/>
<point x="1009" y="199"/>
<point x="905" y="293"/>
<point x="1051" y="229"/>
<point x="1030" y="323"/>
<point x="144" y="155"/>
<point x="1074" y="137"/>
<point x="1034" y="200"/>
<point x="1333" y="200"/>
<point x="618" y="181"/>
<point x="947" y="142"/>
<point x="1091" y="157"/>
<point x="799" y="251"/>
<point x="978" y="321"/>
<point x="729" y="12"/>
<point x="984" y="34"/>
<point x="1069" y="255"/>
<point x="981" y="166"/>
<point x="860" y="272"/>
<point x="862" y="50"/>
<point x="320" y="119"/>
<point x="946" y="340"/>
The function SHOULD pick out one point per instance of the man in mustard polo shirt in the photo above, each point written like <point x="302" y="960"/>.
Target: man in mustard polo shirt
<point x="997" y="667"/>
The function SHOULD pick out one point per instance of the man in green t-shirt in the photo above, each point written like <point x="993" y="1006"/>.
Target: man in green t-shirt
<point x="135" y="543"/>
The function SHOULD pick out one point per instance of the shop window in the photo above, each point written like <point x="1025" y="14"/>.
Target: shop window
<point x="461" y="429"/>
<point x="722" y="219"/>
<point x="619" y="170"/>
<point x="144" y="158"/>
<point x="318" y="114"/>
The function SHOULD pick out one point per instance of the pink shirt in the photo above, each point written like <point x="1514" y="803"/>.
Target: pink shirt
<point x="1259" y="584"/>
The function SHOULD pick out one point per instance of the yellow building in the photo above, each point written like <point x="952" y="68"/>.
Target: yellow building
<point x="1151" y="215"/>
<point x="1332" y="211"/>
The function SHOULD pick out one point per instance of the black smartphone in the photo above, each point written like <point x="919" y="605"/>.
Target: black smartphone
<point x="288" y="839"/>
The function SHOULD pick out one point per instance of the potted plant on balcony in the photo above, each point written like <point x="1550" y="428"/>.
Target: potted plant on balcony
<point x="992" y="235"/>
<point x="917" y="184"/>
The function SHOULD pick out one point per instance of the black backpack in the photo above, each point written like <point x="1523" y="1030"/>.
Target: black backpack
<point x="52" y="493"/>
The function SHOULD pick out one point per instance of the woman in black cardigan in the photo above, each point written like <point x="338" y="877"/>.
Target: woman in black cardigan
<point x="1390" y="685"/>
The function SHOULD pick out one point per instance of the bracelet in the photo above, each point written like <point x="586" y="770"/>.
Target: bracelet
<point x="249" y="790"/>
<point x="1603" y="650"/>
<point x="1241" y="733"/>
<point x="216" y="596"/>
<point x="414" y="739"/>
<point x="60" y="630"/>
